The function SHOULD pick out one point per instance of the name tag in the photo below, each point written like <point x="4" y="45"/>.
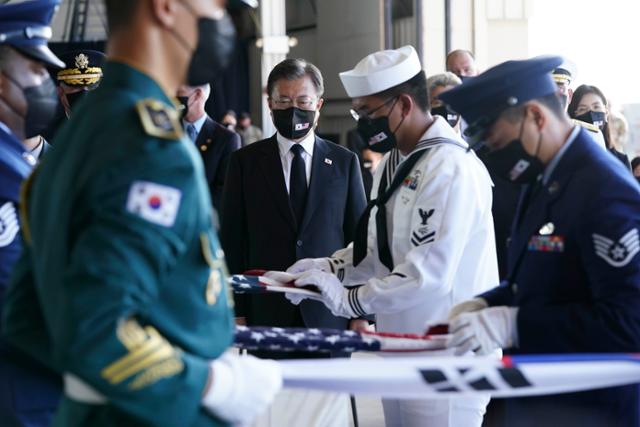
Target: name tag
<point x="546" y="244"/>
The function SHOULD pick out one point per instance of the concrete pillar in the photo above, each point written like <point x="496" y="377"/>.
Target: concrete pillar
<point x="275" y="46"/>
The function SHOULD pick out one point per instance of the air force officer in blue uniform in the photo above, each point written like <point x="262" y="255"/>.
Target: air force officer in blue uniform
<point x="28" y="392"/>
<point x="574" y="268"/>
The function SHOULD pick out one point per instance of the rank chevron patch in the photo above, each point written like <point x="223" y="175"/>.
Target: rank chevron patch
<point x="617" y="253"/>
<point x="418" y="239"/>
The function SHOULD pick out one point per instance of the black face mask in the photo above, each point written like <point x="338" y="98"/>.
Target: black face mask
<point x="513" y="163"/>
<point x="184" y="102"/>
<point x="216" y="40"/>
<point x="450" y="116"/>
<point x="376" y="132"/>
<point x="74" y="98"/>
<point x="597" y="118"/>
<point x="42" y="104"/>
<point x="294" y="123"/>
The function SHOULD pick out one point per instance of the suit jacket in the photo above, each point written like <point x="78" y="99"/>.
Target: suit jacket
<point x="575" y="275"/>
<point x="216" y="143"/>
<point x="505" y="201"/>
<point x="259" y="230"/>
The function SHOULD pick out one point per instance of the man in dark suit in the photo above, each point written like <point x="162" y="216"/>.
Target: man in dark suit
<point x="289" y="197"/>
<point x="213" y="140"/>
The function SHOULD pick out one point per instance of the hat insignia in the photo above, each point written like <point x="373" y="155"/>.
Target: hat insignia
<point x="82" y="61"/>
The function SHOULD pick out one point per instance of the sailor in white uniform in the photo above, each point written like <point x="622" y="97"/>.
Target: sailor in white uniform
<point x="426" y="241"/>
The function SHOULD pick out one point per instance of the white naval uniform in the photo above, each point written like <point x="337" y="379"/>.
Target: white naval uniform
<point x="442" y="241"/>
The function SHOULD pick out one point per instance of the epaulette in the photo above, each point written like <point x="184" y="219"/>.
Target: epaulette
<point x="159" y="119"/>
<point x="588" y="126"/>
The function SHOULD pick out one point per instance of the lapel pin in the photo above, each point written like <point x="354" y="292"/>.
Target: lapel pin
<point x="554" y="187"/>
<point x="547" y="229"/>
<point x="328" y="161"/>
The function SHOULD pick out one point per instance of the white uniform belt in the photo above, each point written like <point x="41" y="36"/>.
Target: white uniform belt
<point x="80" y="391"/>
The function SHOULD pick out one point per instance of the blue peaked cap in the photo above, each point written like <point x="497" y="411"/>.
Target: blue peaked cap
<point x="480" y="100"/>
<point x="26" y="26"/>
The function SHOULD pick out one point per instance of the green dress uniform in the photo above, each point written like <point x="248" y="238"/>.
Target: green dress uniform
<point x="122" y="283"/>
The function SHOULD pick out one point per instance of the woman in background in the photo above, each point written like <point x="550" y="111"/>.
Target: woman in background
<point x="590" y="105"/>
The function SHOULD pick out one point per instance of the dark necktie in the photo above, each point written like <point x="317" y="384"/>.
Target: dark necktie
<point x="298" y="183"/>
<point x="192" y="132"/>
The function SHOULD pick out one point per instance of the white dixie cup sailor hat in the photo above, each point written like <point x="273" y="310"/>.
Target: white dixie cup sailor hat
<point x="380" y="71"/>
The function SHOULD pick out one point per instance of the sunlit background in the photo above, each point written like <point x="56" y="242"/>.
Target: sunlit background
<point x="601" y="37"/>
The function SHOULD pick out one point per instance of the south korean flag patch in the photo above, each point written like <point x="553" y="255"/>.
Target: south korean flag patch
<point x="153" y="202"/>
<point x="617" y="253"/>
<point x="9" y="226"/>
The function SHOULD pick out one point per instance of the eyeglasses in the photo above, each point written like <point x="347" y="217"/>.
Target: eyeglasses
<point x="367" y="115"/>
<point x="303" y="102"/>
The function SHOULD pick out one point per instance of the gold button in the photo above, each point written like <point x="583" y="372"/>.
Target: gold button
<point x="203" y="148"/>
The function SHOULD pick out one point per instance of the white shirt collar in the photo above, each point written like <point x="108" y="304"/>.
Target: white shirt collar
<point x="556" y="159"/>
<point x="198" y="123"/>
<point x="284" y="144"/>
<point x="441" y="129"/>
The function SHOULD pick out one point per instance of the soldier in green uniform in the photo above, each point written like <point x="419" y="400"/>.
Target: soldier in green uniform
<point x="121" y="285"/>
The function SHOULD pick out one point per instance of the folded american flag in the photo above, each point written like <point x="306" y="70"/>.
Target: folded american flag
<point x="333" y="340"/>
<point x="254" y="282"/>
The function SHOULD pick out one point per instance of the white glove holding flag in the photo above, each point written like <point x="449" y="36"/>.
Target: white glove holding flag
<point x="467" y="307"/>
<point x="284" y="278"/>
<point x="334" y="295"/>
<point x="322" y="264"/>
<point x="484" y="331"/>
<point x="242" y="387"/>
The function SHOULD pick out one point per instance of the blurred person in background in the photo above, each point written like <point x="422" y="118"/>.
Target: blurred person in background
<point x="82" y="74"/>
<point x="369" y="159"/>
<point x="229" y="120"/>
<point x="618" y="130"/>
<point x="635" y="167"/>
<point x="462" y="63"/>
<point x="590" y="105"/>
<point x="564" y="75"/>
<point x="437" y="84"/>
<point x="215" y="142"/>
<point x="248" y="132"/>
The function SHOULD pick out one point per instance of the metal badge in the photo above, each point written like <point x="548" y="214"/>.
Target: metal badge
<point x="547" y="229"/>
<point x="29" y="158"/>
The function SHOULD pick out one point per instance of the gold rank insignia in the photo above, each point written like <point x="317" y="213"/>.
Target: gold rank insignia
<point x="218" y="270"/>
<point x="588" y="126"/>
<point x="158" y="119"/>
<point x="82" y="61"/>
<point x="82" y="75"/>
<point x="149" y="357"/>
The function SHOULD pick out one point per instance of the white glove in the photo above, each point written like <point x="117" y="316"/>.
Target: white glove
<point x="322" y="264"/>
<point x="242" y="387"/>
<point x="484" y="331"/>
<point x="284" y="278"/>
<point x="467" y="307"/>
<point x="334" y="295"/>
<point x="281" y="276"/>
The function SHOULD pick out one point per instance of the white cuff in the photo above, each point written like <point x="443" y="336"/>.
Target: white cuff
<point x="354" y="301"/>
<point x="513" y="317"/>
<point x="221" y="385"/>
